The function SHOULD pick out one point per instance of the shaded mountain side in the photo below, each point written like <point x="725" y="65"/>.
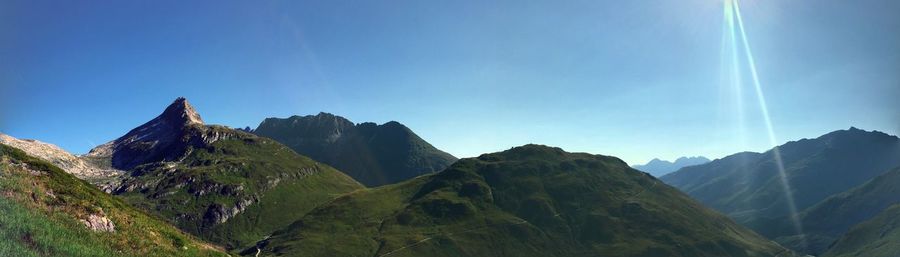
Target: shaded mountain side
<point x="224" y="185"/>
<point x="826" y="221"/>
<point x="372" y="154"/>
<point x="48" y="212"/>
<point x="658" y="168"/>
<point x="877" y="237"/>
<point x="527" y="201"/>
<point x="747" y="187"/>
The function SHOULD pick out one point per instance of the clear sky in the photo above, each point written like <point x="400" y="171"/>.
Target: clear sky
<point x="634" y="79"/>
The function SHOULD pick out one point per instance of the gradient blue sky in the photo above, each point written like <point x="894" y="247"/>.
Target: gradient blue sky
<point x="634" y="79"/>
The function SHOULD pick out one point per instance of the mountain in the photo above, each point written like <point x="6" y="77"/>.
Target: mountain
<point x="527" y="201"/>
<point x="877" y="237"/>
<point x="747" y="187"/>
<point x="45" y="211"/>
<point x="372" y="154"/>
<point x="826" y="221"/>
<point x="57" y="156"/>
<point x="658" y="168"/>
<point x="224" y="185"/>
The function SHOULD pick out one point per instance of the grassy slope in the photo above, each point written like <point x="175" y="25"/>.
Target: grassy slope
<point x="279" y="185"/>
<point x="528" y="201"/>
<point x="747" y="187"/>
<point x="372" y="154"/>
<point x="41" y="213"/>
<point x="877" y="237"/>
<point x="826" y="221"/>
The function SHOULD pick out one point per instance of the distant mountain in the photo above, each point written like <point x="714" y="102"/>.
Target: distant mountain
<point x="45" y="211"/>
<point x="527" y="201"/>
<point x="747" y="187"/>
<point x="658" y="168"/>
<point x="826" y="221"/>
<point x="372" y="154"/>
<point x="224" y="185"/>
<point x="877" y="237"/>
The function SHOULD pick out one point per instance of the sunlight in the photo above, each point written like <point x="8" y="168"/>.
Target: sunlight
<point x="733" y="8"/>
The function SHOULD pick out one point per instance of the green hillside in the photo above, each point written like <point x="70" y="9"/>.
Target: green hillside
<point x="43" y="211"/>
<point x="747" y="187"/>
<point x="234" y="191"/>
<point x="825" y="222"/>
<point x="877" y="237"/>
<point x="372" y="154"/>
<point x="224" y="185"/>
<point x="527" y="201"/>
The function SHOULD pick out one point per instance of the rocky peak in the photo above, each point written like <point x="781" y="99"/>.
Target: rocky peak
<point x="164" y="138"/>
<point x="181" y="112"/>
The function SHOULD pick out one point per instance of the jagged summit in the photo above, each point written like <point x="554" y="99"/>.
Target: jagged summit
<point x="180" y="111"/>
<point x="162" y="138"/>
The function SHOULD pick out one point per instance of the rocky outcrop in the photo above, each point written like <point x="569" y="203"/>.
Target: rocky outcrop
<point x="99" y="222"/>
<point x="218" y="214"/>
<point x="59" y="157"/>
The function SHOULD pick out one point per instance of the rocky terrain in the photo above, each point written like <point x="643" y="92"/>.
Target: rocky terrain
<point x="82" y="168"/>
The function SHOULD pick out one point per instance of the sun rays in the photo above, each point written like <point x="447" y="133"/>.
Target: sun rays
<point x="737" y="35"/>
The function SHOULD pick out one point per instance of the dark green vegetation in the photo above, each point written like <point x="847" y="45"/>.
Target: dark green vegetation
<point x="372" y="154"/>
<point x="224" y="185"/>
<point x="878" y="237"/>
<point x="528" y="201"/>
<point x="42" y="210"/>
<point x="826" y="221"/>
<point x="746" y="186"/>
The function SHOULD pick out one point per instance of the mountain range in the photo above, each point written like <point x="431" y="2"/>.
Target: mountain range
<point x="224" y="185"/>
<point x="370" y="153"/>
<point x="836" y="181"/>
<point x="527" y="201"/>
<point x="659" y="168"/>
<point x="176" y="186"/>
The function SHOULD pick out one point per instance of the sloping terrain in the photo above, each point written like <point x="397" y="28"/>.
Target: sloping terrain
<point x="372" y="154"/>
<point x="747" y="187"/>
<point x="527" y="201"/>
<point x="224" y="185"/>
<point x="79" y="167"/>
<point x="45" y="211"/>
<point x="877" y="237"/>
<point x="826" y="221"/>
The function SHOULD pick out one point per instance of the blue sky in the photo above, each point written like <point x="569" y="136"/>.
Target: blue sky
<point x="634" y="79"/>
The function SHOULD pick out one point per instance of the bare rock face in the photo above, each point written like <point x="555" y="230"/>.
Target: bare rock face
<point x="160" y="139"/>
<point x="99" y="222"/>
<point x="59" y="157"/>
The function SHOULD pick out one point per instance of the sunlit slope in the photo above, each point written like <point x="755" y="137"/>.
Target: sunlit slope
<point x="372" y="154"/>
<point x="746" y="185"/>
<point x="527" y="201"/>
<point x="43" y="211"/>
<point x="878" y="237"/>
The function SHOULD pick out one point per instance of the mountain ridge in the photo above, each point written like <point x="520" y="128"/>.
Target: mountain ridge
<point x="224" y="185"/>
<point x="658" y="167"/>
<point x="370" y="153"/>
<point x="530" y="200"/>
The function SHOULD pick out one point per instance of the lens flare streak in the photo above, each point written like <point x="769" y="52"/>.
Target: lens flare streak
<point x="733" y="11"/>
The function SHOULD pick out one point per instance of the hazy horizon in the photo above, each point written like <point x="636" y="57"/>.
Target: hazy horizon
<point x="636" y="80"/>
